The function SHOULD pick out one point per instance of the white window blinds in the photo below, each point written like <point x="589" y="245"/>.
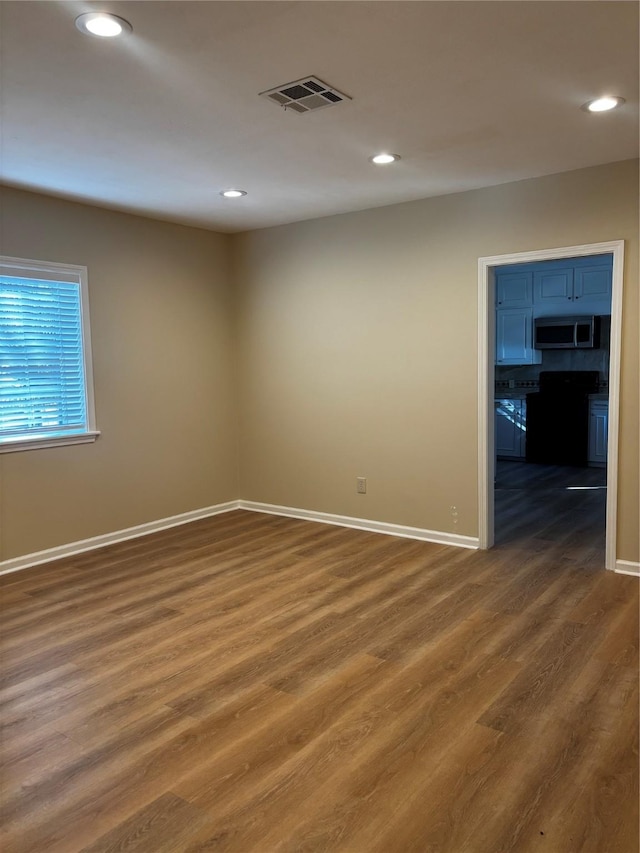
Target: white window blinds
<point x="43" y="375"/>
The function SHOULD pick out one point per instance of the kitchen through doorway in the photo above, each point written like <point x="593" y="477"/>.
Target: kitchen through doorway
<point x="551" y="363"/>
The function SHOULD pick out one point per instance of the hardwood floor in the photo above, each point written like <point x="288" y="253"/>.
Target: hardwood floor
<point x="551" y="505"/>
<point x="256" y="683"/>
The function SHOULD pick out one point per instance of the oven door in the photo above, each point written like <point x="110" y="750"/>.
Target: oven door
<point x="557" y="429"/>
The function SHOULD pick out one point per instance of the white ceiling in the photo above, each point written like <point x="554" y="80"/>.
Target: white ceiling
<point x="470" y="94"/>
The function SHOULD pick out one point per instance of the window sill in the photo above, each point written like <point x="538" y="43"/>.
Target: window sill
<point x="54" y="441"/>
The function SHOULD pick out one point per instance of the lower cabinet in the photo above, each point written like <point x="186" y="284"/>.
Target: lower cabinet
<point x="511" y="428"/>
<point x="598" y="432"/>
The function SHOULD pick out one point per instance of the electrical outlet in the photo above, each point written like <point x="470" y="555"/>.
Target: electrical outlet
<point x="454" y="514"/>
<point x="361" y="485"/>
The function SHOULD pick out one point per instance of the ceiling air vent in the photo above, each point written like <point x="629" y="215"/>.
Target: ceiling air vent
<point x="304" y="96"/>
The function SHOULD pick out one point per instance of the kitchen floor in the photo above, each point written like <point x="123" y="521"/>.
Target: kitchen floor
<point x="538" y="506"/>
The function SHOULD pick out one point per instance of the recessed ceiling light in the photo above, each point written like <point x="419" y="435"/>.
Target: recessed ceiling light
<point x="601" y="105"/>
<point x="383" y="158"/>
<point x="232" y="193"/>
<point x="102" y="24"/>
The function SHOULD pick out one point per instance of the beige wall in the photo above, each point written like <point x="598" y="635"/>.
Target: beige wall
<point x="356" y="356"/>
<point x="358" y="346"/>
<point x="160" y="300"/>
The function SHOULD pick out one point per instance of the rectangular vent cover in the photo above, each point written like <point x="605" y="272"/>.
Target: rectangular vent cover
<point x="305" y="95"/>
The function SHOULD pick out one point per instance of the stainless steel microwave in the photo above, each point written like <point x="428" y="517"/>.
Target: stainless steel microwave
<point x="566" y="332"/>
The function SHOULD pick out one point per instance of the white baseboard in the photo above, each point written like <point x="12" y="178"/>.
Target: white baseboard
<point x="626" y="567"/>
<point x="365" y="524"/>
<point x="82" y="545"/>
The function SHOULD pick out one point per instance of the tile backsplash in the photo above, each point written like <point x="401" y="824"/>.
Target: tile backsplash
<point x="518" y="384"/>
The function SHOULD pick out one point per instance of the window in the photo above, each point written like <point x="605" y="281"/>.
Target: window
<point x="46" y="385"/>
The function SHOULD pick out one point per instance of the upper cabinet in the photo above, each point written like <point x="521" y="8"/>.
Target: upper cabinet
<point x="572" y="286"/>
<point x="514" y="318"/>
<point x="593" y="284"/>
<point x="514" y="290"/>
<point x="553" y="287"/>
<point x="582" y="286"/>
<point x="514" y="337"/>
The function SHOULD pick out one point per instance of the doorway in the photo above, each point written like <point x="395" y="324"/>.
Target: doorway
<point x="490" y="268"/>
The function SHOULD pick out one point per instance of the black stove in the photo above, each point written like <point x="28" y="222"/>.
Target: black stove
<point x="558" y="417"/>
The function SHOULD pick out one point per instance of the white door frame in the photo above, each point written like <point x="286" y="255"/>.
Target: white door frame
<point x="486" y="381"/>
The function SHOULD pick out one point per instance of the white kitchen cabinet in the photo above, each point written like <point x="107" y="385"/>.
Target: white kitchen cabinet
<point x="578" y="289"/>
<point x="511" y="428"/>
<point x="592" y="286"/>
<point x="572" y="287"/>
<point x="553" y="287"/>
<point x="514" y="289"/>
<point x="598" y="432"/>
<point x="514" y="337"/>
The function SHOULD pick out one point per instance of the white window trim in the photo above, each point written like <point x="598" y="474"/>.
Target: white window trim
<point x="49" y="269"/>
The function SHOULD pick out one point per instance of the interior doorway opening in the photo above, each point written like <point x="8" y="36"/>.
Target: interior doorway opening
<point x="547" y="461"/>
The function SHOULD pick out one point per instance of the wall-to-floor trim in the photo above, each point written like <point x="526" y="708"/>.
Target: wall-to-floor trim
<point x="439" y="537"/>
<point x="626" y="567"/>
<point x="39" y="557"/>
<point x="79" y="547"/>
<point x="486" y="366"/>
